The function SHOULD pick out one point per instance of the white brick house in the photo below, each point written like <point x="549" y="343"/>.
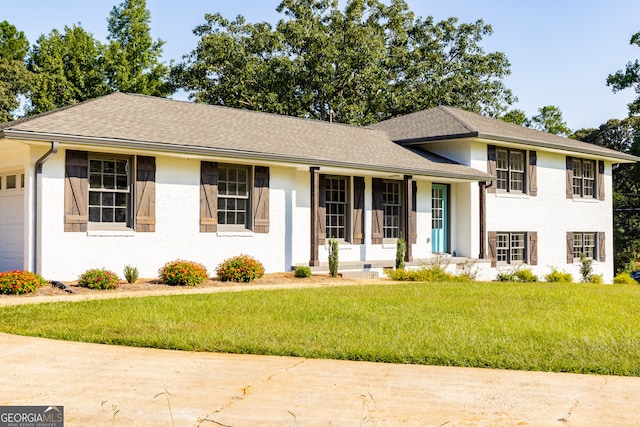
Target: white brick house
<point x="129" y="179"/>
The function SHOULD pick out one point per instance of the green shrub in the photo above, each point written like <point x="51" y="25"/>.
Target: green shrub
<point x="504" y="276"/>
<point x="624" y="278"/>
<point x="131" y="273"/>
<point x="183" y="273"/>
<point x="596" y="279"/>
<point x="20" y="282"/>
<point x="525" y="275"/>
<point x="558" y="276"/>
<point x="333" y="257"/>
<point x="99" y="278"/>
<point x="302" y="271"/>
<point x="241" y="268"/>
<point x="401" y="249"/>
<point x="430" y="273"/>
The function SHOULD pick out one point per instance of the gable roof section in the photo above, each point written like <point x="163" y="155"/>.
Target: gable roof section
<point x="144" y="122"/>
<point x="446" y="123"/>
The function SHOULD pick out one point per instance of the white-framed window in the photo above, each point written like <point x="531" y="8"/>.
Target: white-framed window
<point x="584" y="177"/>
<point x="337" y="204"/>
<point x="510" y="170"/>
<point x="391" y="201"/>
<point x="511" y="247"/>
<point x="109" y="189"/>
<point x="233" y="195"/>
<point x="11" y="181"/>
<point x="584" y="243"/>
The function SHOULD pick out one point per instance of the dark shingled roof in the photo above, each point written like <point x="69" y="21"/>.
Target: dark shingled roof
<point x="126" y="120"/>
<point x="446" y="123"/>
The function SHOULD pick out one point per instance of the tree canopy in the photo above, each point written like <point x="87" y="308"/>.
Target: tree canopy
<point x="14" y="77"/>
<point x="358" y="66"/>
<point x="622" y="135"/>
<point x="67" y="69"/>
<point x="132" y="60"/>
<point x="549" y="119"/>
<point x="629" y="77"/>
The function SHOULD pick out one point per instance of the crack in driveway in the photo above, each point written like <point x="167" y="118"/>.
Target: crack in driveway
<point x="245" y="391"/>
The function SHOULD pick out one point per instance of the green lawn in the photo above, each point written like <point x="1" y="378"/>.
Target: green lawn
<point x="543" y="326"/>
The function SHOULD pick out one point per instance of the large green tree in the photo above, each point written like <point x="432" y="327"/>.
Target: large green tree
<point x="14" y="76"/>
<point x="132" y="60"/>
<point x="67" y="69"/>
<point x="622" y="135"/>
<point x="359" y="65"/>
<point x="549" y="119"/>
<point x="629" y="77"/>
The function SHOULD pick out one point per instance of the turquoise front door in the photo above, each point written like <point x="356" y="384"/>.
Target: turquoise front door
<point x="439" y="218"/>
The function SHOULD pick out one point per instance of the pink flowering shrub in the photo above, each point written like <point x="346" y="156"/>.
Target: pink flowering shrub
<point x="20" y="282"/>
<point x="99" y="278"/>
<point x="183" y="273"/>
<point x="241" y="268"/>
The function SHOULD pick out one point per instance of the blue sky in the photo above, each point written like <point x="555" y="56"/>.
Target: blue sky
<point x="561" y="51"/>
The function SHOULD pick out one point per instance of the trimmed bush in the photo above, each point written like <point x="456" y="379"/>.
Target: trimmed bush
<point x="302" y="271"/>
<point x="99" y="278"/>
<point x="131" y="273"/>
<point x="183" y="273"/>
<point x="558" y="276"/>
<point x="596" y="279"/>
<point x="241" y="268"/>
<point x="624" y="278"/>
<point x="525" y="275"/>
<point x="19" y="282"/>
<point x="432" y="273"/>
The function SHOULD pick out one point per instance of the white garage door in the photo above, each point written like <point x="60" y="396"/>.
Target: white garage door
<point x="11" y="222"/>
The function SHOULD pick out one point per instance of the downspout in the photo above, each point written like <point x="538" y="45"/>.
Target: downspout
<point x="41" y="161"/>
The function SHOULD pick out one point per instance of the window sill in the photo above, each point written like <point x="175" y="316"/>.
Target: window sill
<point x="235" y="233"/>
<point x="111" y="233"/>
<point x="585" y="199"/>
<point x="507" y="195"/>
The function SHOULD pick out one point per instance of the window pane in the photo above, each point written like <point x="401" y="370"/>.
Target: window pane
<point x="95" y="166"/>
<point x="109" y="182"/>
<point x="121" y="215"/>
<point x="95" y="181"/>
<point x="121" y="199"/>
<point x="94" y="214"/>
<point x="121" y="182"/>
<point x="11" y="182"/>
<point x="107" y="215"/>
<point x="121" y="167"/>
<point x="107" y="199"/>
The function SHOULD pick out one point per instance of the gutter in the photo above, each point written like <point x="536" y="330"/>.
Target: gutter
<point x="243" y="155"/>
<point x="38" y="169"/>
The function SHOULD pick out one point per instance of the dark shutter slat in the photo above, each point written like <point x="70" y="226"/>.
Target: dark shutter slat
<point x="533" y="248"/>
<point x="569" y="178"/>
<point x="492" y="238"/>
<point x="208" y="197"/>
<point x="569" y="247"/>
<point x="491" y="167"/>
<point x="358" y="210"/>
<point x="600" y="184"/>
<point x="261" y="199"/>
<point x="533" y="173"/>
<point x="322" y="209"/>
<point x="146" y="194"/>
<point x="76" y="191"/>
<point x="602" y="250"/>
<point x="377" y="211"/>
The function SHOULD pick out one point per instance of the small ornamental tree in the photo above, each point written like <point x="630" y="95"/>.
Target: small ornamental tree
<point x="333" y="257"/>
<point x="401" y="248"/>
<point x="20" y="282"/>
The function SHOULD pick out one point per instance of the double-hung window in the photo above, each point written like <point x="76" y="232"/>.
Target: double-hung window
<point x="233" y="195"/>
<point x="584" y="243"/>
<point x="336" y="203"/>
<point x="392" y="209"/>
<point x="584" y="177"/>
<point x="510" y="170"/>
<point x="511" y="247"/>
<point x="109" y="189"/>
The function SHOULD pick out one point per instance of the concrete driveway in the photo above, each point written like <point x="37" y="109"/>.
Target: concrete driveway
<point x="103" y="385"/>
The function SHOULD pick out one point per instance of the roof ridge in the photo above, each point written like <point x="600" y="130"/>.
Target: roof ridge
<point x="448" y="109"/>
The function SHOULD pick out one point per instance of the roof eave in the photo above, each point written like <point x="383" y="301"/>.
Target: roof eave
<point x="616" y="158"/>
<point x="237" y="154"/>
